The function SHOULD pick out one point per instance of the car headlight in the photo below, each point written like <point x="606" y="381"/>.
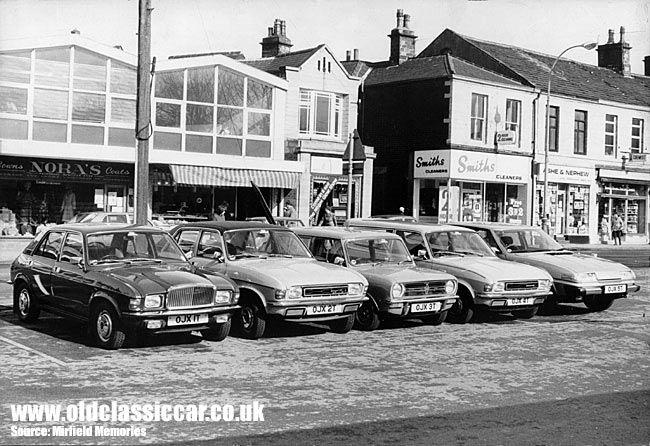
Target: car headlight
<point x="293" y="292"/>
<point x="585" y="277"/>
<point x="222" y="296"/>
<point x="153" y="300"/>
<point x="450" y="287"/>
<point x="628" y="275"/>
<point x="545" y="284"/>
<point x="356" y="289"/>
<point x="495" y="287"/>
<point x="397" y="290"/>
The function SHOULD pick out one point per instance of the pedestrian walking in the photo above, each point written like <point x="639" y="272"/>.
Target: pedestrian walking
<point x="617" y="228"/>
<point x="289" y="209"/>
<point x="604" y="230"/>
<point x="329" y="219"/>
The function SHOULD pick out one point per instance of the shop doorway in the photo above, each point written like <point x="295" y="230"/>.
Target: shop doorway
<point x="560" y="213"/>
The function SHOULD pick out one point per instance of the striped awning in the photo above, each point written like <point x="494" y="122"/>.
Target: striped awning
<point x="223" y="177"/>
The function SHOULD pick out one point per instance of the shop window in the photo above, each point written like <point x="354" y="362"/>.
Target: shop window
<point x="516" y="204"/>
<point x="478" y="115"/>
<point x="230" y="88"/>
<point x="123" y="110"/>
<point x="167" y="141"/>
<point x="123" y="78"/>
<point x="554" y="128"/>
<point x="577" y="210"/>
<point x="611" y="134"/>
<point x="637" y="135"/>
<point x="199" y="118"/>
<point x="50" y="131"/>
<point x="513" y="118"/>
<point x="52" y="67"/>
<point x="13" y="100"/>
<point x="200" y="84"/>
<point x="198" y="143"/>
<point x="168" y="115"/>
<point x="169" y="84"/>
<point x="260" y="149"/>
<point x="88" y="107"/>
<point x="15" y="67"/>
<point x="471" y="202"/>
<point x="13" y="129"/>
<point x="229" y="146"/>
<point x="259" y="95"/>
<point x="121" y="137"/>
<point x="259" y="124"/>
<point x="230" y="121"/>
<point x="83" y="134"/>
<point x="580" y="133"/>
<point x="89" y="71"/>
<point x="320" y="113"/>
<point x="52" y="104"/>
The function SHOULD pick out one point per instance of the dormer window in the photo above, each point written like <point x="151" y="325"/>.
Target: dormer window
<point x="320" y="113"/>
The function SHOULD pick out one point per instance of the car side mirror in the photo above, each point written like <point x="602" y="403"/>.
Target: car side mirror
<point x="218" y="256"/>
<point x="422" y="253"/>
<point x="338" y="260"/>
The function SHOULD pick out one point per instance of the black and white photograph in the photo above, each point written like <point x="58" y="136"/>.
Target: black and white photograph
<point x="325" y="222"/>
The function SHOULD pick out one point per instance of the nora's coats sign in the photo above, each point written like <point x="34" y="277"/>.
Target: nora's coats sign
<point x="58" y="170"/>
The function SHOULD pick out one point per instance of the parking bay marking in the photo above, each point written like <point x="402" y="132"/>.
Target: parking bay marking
<point x="31" y="350"/>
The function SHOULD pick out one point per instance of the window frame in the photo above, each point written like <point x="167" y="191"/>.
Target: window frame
<point x="308" y="103"/>
<point x="613" y="147"/>
<point x="516" y="124"/>
<point x="641" y="126"/>
<point x="580" y="144"/>
<point x="554" y="128"/>
<point x="482" y="120"/>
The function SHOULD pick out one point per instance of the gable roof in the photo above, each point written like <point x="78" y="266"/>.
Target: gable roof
<point x="570" y="78"/>
<point x="356" y="68"/>
<point x="275" y="64"/>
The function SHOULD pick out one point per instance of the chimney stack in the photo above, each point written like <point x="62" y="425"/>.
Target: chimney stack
<point x="402" y="40"/>
<point x="347" y="55"/>
<point x="356" y="54"/>
<point x="276" y="43"/>
<point x="615" y="55"/>
<point x="646" y="63"/>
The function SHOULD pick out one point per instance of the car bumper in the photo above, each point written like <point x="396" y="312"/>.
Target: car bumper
<point x="159" y="322"/>
<point x="576" y="292"/>
<point x="418" y="307"/>
<point x="506" y="302"/>
<point x="314" y="310"/>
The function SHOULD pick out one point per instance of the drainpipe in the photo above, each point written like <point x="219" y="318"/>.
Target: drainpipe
<point x="534" y="146"/>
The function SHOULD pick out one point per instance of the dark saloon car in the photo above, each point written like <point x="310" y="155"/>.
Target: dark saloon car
<point x="121" y="280"/>
<point x="276" y="274"/>
<point x="396" y="287"/>
<point x="577" y="277"/>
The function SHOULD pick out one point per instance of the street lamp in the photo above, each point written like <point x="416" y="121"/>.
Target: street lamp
<point x="587" y="46"/>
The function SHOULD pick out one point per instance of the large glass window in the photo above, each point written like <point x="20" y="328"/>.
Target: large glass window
<point x="52" y="104"/>
<point x="168" y="115"/>
<point x="123" y="78"/>
<point x="15" y="67"/>
<point x="554" y="123"/>
<point x="259" y="95"/>
<point x="637" y="135"/>
<point x="320" y="113"/>
<point x="88" y="107"/>
<point x="230" y="90"/>
<point x="200" y="84"/>
<point x="89" y="71"/>
<point x="229" y="121"/>
<point x="611" y="134"/>
<point x="580" y="133"/>
<point x="478" y="117"/>
<point x="52" y="67"/>
<point x="169" y="84"/>
<point x="123" y="110"/>
<point x="199" y="118"/>
<point x="13" y="100"/>
<point x="513" y="118"/>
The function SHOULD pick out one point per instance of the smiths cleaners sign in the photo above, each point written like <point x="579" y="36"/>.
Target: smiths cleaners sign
<point x="464" y="165"/>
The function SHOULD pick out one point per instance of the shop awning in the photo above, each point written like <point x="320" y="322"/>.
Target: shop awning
<point x="223" y="177"/>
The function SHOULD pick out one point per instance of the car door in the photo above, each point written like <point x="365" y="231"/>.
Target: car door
<point x="44" y="258"/>
<point x="210" y="253"/>
<point x="70" y="286"/>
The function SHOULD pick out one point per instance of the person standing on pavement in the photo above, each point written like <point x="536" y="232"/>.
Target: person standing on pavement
<point x="617" y="228"/>
<point x="604" y="230"/>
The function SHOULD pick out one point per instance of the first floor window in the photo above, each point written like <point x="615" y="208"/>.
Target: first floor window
<point x="553" y="122"/>
<point x="611" y="130"/>
<point x="478" y="115"/>
<point x="580" y="133"/>
<point x="320" y="113"/>
<point x="513" y="118"/>
<point x="637" y="135"/>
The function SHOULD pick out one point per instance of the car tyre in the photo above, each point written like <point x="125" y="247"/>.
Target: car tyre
<point x="367" y="317"/>
<point x="597" y="303"/>
<point x="342" y="325"/>
<point x="252" y="320"/>
<point x="462" y="311"/>
<point x="106" y="327"/>
<point x="25" y="305"/>
<point x="525" y="314"/>
<point x="435" y="319"/>
<point x="217" y="332"/>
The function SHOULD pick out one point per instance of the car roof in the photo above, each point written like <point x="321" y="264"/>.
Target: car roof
<point x="89" y="228"/>
<point x="342" y="232"/>
<point x="229" y="225"/>
<point x="495" y="225"/>
<point x="407" y="226"/>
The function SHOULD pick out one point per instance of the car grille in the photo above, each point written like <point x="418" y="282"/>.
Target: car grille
<point x="190" y="296"/>
<point x="325" y="291"/>
<point x="424" y="288"/>
<point x="521" y="286"/>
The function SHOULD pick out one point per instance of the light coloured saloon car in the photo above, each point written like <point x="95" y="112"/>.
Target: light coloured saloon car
<point x="485" y="282"/>
<point x="577" y="277"/>
<point x="397" y="287"/>
<point x="277" y="275"/>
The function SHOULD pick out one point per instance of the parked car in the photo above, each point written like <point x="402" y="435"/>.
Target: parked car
<point x="485" y="282"/>
<point x="577" y="277"/>
<point x="102" y="217"/>
<point x="289" y="222"/>
<point x="121" y="280"/>
<point x="277" y="275"/>
<point x="396" y="287"/>
<point x="396" y="217"/>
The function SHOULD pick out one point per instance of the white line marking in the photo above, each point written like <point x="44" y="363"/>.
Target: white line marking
<point x="41" y="354"/>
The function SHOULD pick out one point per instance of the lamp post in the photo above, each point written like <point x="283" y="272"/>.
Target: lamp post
<point x="587" y="46"/>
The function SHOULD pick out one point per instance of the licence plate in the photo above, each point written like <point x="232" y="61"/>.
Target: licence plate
<point x="615" y="288"/>
<point x="324" y="309"/>
<point x="425" y="306"/>
<point x="521" y="301"/>
<point x="187" y="319"/>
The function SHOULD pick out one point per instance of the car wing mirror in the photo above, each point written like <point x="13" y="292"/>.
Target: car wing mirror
<point x="338" y="260"/>
<point x="422" y="254"/>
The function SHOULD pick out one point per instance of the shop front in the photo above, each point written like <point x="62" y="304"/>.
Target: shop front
<point x="570" y="202"/>
<point x="458" y="185"/>
<point x="329" y="187"/>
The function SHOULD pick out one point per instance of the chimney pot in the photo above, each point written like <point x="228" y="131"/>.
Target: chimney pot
<point x="622" y="34"/>
<point x="407" y="20"/>
<point x="270" y="31"/>
<point x="611" y="36"/>
<point x="347" y="55"/>
<point x="283" y="28"/>
<point x="356" y="54"/>
<point x="400" y="18"/>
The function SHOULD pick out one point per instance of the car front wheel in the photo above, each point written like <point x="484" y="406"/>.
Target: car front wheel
<point x="25" y="305"/>
<point x="343" y="325"/>
<point x="217" y="332"/>
<point x="597" y="303"/>
<point x="462" y="311"/>
<point x="106" y="327"/>
<point x="367" y="317"/>
<point x="252" y="321"/>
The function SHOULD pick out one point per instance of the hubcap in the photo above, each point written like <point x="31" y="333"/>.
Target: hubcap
<point x="365" y="314"/>
<point x="104" y="326"/>
<point x="23" y="302"/>
<point x="247" y="317"/>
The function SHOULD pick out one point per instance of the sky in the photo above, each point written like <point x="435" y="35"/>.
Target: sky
<point x="197" y="26"/>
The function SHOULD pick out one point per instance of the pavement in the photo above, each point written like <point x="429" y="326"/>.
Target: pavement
<point x="633" y="256"/>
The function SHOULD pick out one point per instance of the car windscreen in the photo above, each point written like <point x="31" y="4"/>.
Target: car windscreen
<point x="459" y="242"/>
<point x="376" y="250"/>
<point x="527" y="240"/>
<point x="263" y="242"/>
<point x="129" y="246"/>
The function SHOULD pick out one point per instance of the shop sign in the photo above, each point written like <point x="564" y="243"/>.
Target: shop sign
<point x="479" y="166"/>
<point x="568" y="175"/>
<point x="55" y="170"/>
<point x="326" y="165"/>
<point x="431" y="164"/>
<point x="505" y="137"/>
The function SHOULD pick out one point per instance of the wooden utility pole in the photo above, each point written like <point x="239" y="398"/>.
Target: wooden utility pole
<point x="143" y="119"/>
